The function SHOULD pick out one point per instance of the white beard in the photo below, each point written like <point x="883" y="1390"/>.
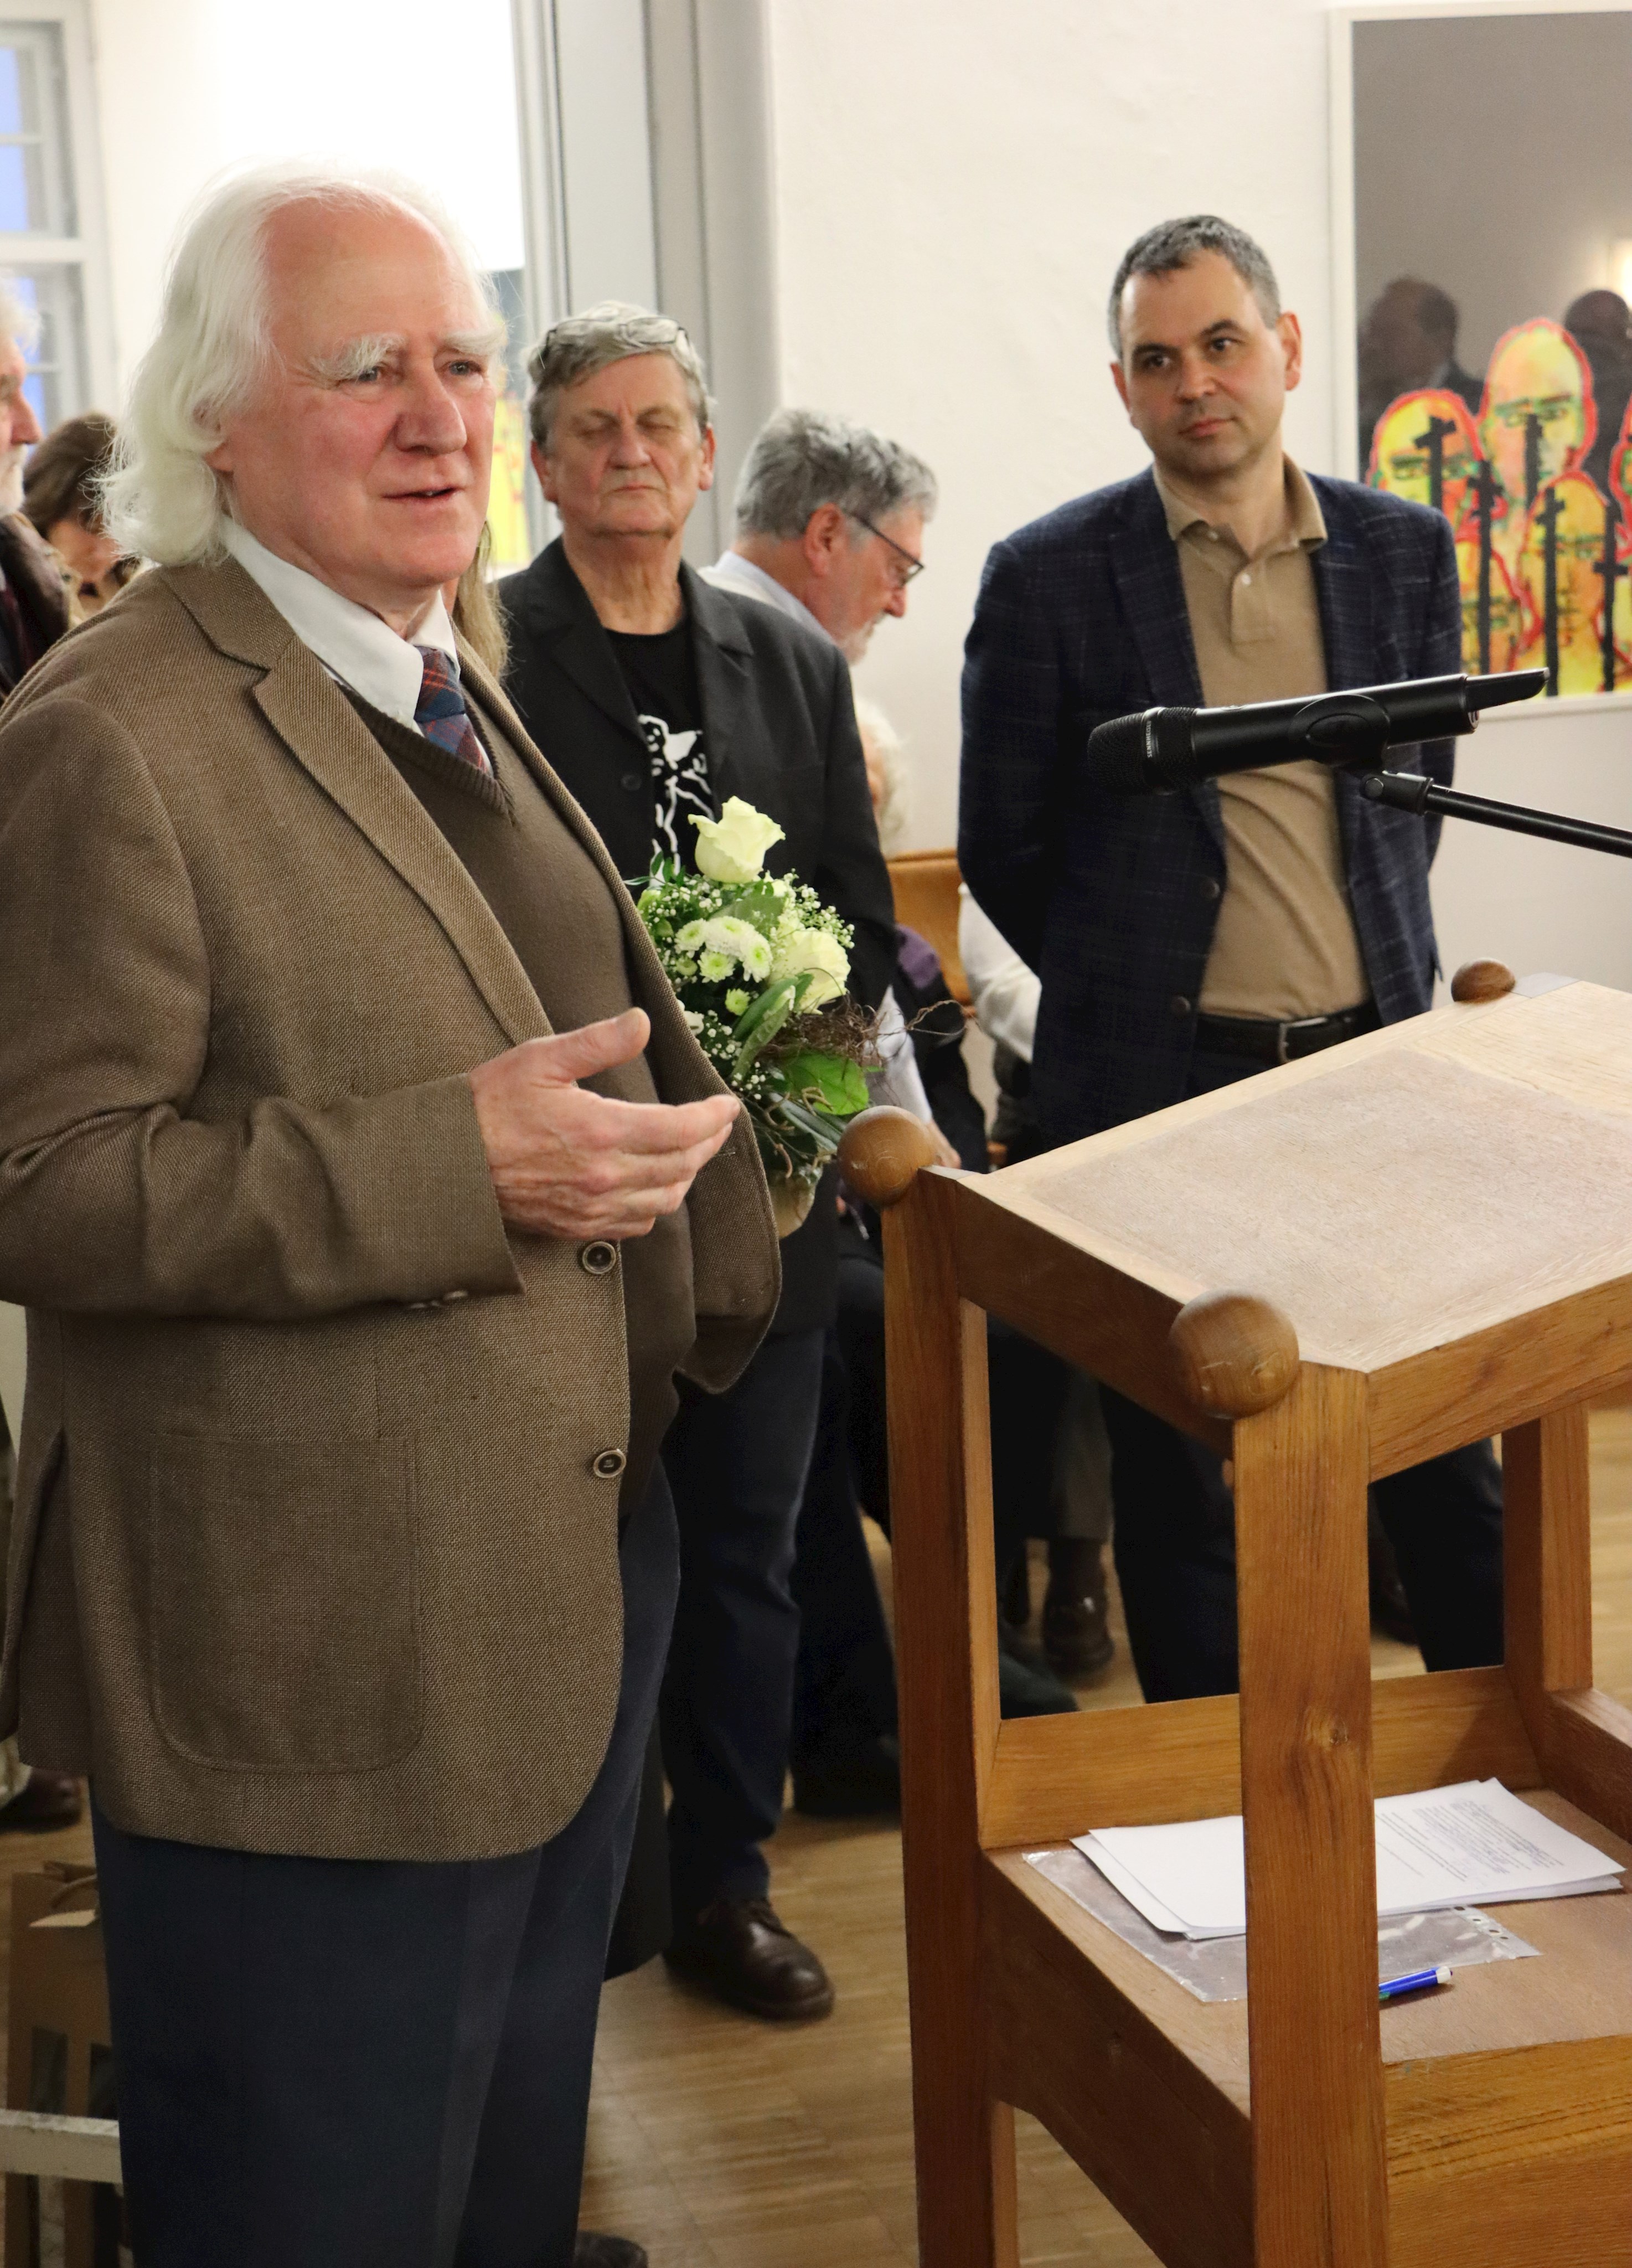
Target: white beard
<point x="11" y="481"/>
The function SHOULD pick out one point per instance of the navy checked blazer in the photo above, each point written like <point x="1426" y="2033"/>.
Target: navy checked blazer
<point x="1113" y="898"/>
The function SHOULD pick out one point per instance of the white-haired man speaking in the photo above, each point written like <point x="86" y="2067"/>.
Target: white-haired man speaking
<point x="366" y="1191"/>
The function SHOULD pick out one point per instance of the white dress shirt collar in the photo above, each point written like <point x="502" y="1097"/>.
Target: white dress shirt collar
<point x="352" y="644"/>
<point x="733" y="572"/>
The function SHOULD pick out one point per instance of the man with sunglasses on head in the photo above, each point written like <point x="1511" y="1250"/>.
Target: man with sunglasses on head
<point x="830" y="522"/>
<point x="657" y="697"/>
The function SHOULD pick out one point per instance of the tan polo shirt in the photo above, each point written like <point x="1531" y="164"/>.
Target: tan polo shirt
<point x="1285" y="943"/>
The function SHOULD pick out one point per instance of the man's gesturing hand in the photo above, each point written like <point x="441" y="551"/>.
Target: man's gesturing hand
<point x="565" y="1163"/>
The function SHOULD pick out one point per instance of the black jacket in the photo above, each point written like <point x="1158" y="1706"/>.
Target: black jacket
<point x="35" y="576"/>
<point x="779" y="726"/>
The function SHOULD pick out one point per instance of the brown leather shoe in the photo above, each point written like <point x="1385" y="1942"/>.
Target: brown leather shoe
<point x="1075" y="1631"/>
<point x="49" y="1799"/>
<point x="737" y="1950"/>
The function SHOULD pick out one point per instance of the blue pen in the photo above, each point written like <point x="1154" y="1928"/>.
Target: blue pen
<point x="1394" y="1988"/>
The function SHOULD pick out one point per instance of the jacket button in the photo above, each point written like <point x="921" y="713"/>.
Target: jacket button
<point x="1178" y="1006"/>
<point x="630" y="782"/>
<point x="1212" y="890"/>
<point x="598" y="1259"/>
<point x="608" y="1464"/>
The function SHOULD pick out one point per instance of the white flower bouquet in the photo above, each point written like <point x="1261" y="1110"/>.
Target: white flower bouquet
<point x="761" y="966"/>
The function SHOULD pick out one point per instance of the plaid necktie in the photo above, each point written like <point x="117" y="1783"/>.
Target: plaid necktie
<point x="440" y="711"/>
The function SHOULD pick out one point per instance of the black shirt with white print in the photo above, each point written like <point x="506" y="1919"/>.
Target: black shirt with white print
<point x="661" y="675"/>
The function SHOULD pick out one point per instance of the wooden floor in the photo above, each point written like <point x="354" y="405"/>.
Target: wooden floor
<point x="722" y="2142"/>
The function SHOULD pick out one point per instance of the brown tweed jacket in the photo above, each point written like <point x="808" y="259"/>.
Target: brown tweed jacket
<point x="310" y="1552"/>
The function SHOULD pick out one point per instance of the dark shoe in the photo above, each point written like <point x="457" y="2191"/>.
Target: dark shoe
<point x="594" y="2250"/>
<point x="1027" y="1687"/>
<point x="864" y="1783"/>
<point x="50" y="1799"/>
<point x="1015" y="1602"/>
<point x="737" y="1950"/>
<point x="1076" y="1630"/>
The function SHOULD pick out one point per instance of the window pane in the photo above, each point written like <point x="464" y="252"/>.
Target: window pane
<point x="22" y="200"/>
<point x="10" y="90"/>
<point x="507" y="498"/>
<point x="55" y="387"/>
<point x="36" y="186"/>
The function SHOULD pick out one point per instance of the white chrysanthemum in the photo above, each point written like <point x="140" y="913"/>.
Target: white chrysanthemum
<point x="724" y="943"/>
<point x="798" y="950"/>
<point x="693" y="1021"/>
<point x="732" y="847"/>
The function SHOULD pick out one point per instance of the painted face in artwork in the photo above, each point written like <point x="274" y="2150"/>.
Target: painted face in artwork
<point x="1621" y="469"/>
<point x="1401" y="457"/>
<point x="1508" y="625"/>
<point x="1579" y="546"/>
<point x="1536" y="372"/>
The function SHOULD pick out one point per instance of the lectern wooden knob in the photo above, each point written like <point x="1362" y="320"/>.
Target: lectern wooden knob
<point x="1481" y="980"/>
<point x="881" y="1150"/>
<point x="1236" y="1354"/>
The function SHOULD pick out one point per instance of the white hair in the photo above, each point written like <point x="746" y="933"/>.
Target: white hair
<point x="213" y="348"/>
<point x="885" y="745"/>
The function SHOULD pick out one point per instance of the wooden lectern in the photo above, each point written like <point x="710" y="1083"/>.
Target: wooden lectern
<point x="1329" y="1272"/>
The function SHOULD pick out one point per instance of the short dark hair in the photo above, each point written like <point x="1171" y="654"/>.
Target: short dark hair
<point x="63" y="479"/>
<point x="1174" y="243"/>
<point x="1436" y="313"/>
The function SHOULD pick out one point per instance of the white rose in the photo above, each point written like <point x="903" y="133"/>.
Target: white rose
<point x="732" y="847"/>
<point x="816" y="950"/>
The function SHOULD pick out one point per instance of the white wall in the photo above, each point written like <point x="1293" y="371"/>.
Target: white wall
<point x="1451" y="99"/>
<point x="187" y="87"/>
<point x="955" y="184"/>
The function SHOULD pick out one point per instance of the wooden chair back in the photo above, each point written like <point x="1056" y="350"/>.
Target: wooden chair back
<point x="925" y="884"/>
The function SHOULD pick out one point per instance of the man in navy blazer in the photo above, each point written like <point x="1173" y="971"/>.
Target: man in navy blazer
<point x="1187" y="940"/>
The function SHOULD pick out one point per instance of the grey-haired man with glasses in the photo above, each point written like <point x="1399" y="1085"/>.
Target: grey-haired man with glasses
<point x="830" y="520"/>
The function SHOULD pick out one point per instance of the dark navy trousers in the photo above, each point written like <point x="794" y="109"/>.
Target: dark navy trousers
<point x="352" y="2064"/>
<point x="1175" y="1538"/>
<point x="738" y="1463"/>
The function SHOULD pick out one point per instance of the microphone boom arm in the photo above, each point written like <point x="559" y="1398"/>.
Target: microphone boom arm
<point x="1410" y="791"/>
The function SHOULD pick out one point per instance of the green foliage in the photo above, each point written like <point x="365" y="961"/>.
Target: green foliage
<point x="798" y="1091"/>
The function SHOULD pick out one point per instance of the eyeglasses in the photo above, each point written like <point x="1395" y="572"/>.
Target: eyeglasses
<point x="915" y="565"/>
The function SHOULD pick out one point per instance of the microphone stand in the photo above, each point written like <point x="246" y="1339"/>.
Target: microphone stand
<point x="1410" y="791"/>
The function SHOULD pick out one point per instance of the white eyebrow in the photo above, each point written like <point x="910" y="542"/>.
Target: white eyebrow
<point x="356" y="356"/>
<point x="480" y="345"/>
<point x="351" y="360"/>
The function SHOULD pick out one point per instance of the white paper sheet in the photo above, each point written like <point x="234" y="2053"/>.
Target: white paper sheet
<point x="1471" y="1845"/>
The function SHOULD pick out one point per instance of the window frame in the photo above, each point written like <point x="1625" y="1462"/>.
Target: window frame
<point x="86" y="250"/>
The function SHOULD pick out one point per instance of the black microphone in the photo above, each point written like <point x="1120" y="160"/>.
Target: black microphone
<point x="1166" y="748"/>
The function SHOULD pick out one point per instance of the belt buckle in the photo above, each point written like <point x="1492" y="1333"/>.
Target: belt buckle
<point x="1284" y="1032"/>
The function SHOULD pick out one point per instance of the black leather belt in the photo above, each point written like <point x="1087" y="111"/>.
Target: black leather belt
<point x="1268" y="1042"/>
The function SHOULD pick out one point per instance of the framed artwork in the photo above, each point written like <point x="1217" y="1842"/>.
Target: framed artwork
<point x="1482" y="203"/>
